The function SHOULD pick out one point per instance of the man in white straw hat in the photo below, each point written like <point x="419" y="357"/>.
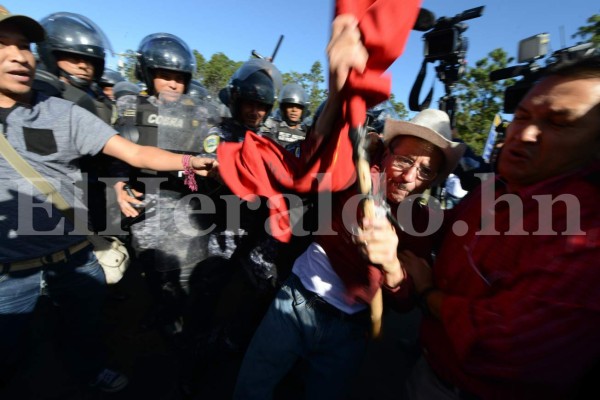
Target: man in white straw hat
<point x="321" y="313"/>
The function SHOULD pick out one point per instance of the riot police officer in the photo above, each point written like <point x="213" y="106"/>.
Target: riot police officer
<point x="72" y="62"/>
<point x="197" y="91"/>
<point x="166" y="248"/>
<point x="246" y="264"/>
<point x="250" y="96"/>
<point x="286" y="127"/>
<point x="74" y="51"/>
<point x="107" y="82"/>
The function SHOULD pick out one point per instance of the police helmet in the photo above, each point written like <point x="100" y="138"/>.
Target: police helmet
<point x="377" y="115"/>
<point x="110" y="77"/>
<point x="124" y="88"/>
<point x="197" y="91"/>
<point x="163" y="51"/>
<point x="73" y="34"/>
<point x="256" y="80"/>
<point x="293" y="93"/>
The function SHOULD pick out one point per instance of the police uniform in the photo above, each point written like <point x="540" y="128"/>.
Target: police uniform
<point x="284" y="135"/>
<point x="166" y="238"/>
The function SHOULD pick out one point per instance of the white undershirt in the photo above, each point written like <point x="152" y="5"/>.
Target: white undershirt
<point x="317" y="275"/>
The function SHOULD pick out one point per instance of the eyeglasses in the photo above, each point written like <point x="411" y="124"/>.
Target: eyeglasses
<point x="401" y="163"/>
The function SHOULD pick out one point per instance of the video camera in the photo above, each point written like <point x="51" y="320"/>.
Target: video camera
<point x="445" y="41"/>
<point x="530" y="50"/>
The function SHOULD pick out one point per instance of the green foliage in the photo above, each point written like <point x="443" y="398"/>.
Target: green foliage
<point x="200" y="65"/>
<point x="480" y="99"/>
<point x="590" y="32"/>
<point x="217" y="71"/>
<point x="399" y="107"/>
<point x="311" y="82"/>
<point x="316" y="95"/>
<point x="127" y="68"/>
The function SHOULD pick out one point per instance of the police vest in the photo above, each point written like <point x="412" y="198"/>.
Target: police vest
<point x="141" y="126"/>
<point x="50" y="85"/>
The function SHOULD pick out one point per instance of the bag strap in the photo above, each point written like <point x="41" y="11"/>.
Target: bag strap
<point x="34" y="177"/>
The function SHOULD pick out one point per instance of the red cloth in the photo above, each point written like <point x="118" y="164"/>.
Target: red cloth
<point x="258" y="166"/>
<point x="521" y="314"/>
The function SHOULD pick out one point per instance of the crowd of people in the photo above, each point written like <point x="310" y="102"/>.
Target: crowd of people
<point x="259" y="273"/>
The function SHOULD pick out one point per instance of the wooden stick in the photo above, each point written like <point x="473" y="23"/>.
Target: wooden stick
<point x="363" y="171"/>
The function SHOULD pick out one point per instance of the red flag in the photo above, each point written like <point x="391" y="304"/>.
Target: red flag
<point x="260" y="167"/>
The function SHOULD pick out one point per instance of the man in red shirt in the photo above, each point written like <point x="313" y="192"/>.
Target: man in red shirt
<point x="512" y="302"/>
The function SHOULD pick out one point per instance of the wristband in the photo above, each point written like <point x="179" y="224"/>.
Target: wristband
<point x="188" y="171"/>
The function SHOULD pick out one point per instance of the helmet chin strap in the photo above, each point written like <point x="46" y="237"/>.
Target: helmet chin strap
<point x="75" y="81"/>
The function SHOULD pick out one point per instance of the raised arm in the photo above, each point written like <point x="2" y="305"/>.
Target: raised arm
<point x="345" y="51"/>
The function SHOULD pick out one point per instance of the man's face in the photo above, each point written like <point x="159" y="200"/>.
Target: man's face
<point x="76" y="65"/>
<point x="426" y="160"/>
<point x="168" y="82"/>
<point x="293" y="112"/>
<point x="17" y="66"/>
<point x="252" y="113"/>
<point x="556" y="129"/>
<point x="108" y="92"/>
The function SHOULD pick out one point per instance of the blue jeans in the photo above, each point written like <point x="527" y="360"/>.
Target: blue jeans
<point x="77" y="287"/>
<point x="294" y="327"/>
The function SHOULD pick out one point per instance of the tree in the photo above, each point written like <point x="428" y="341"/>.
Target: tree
<point x="590" y="32"/>
<point x="200" y="65"/>
<point x="311" y="82"/>
<point x="399" y="107"/>
<point x="480" y="99"/>
<point x="217" y="71"/>
<point x="127" y="67"/>
<point x="316" y="95"/>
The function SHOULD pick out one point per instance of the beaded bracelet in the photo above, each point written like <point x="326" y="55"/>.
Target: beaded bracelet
<point x="188" y="171"/>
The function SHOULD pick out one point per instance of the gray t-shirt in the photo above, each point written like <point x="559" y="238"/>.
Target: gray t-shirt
<point x="51" y="135"/>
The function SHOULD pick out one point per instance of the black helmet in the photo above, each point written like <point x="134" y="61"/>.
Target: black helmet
<point x="197" y="91"/>
<point x="163" y="51"/>
<point x="74" y="34"/>
<point x="256" y="80"/>
<point x="293" y="93"/>
<point x="110" y="77"/>
<point x="377" y="115"/>
<point x="124" y="88"/>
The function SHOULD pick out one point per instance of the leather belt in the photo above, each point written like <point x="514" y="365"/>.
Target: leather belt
<point x="48" y="259"/>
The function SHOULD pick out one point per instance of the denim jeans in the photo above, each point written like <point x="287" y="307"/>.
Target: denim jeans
<point x="294" y="328"/>
<point x="77" y="287"/>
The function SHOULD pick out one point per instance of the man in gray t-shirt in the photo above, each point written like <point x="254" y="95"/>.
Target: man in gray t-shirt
<point x="38" y="253"/>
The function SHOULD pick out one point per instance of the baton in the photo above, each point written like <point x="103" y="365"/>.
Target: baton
<point x="276" y="48"/>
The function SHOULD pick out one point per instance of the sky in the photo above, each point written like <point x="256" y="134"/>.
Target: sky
<point x="236" y="27"/>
